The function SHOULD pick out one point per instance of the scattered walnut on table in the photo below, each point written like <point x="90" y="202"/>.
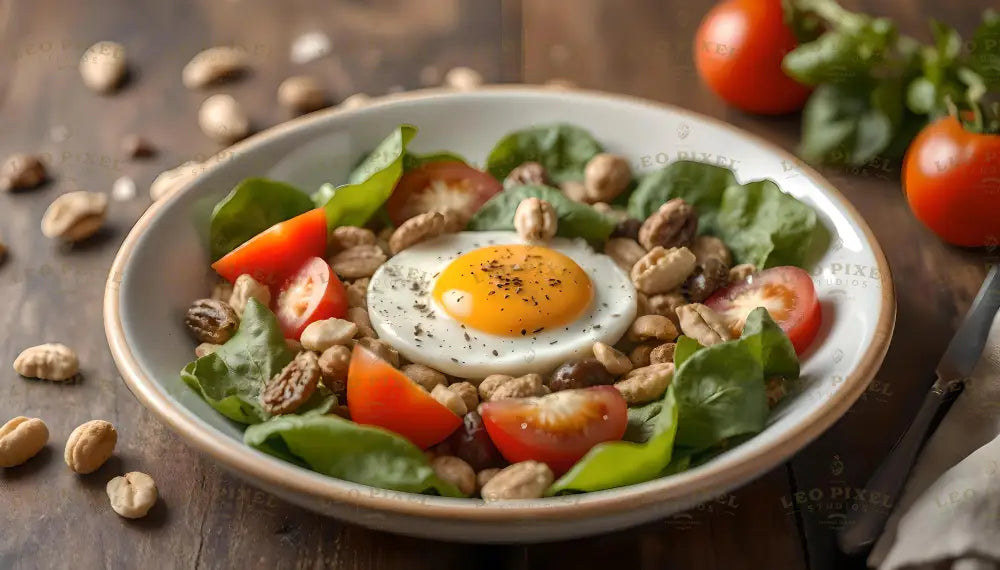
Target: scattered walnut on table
<point x="293" y="386"/>
<point x="75" y="216"/>
<point x="213" y="65"/>
<point x="90" y="445"/>
<point x="132" y="494"/>
<point x="51" y="361"/>
<point x="302" y="94"/>
<point x="103" y="67"/>
<point x="21" y="172"/>
<point x="21" y="439"/>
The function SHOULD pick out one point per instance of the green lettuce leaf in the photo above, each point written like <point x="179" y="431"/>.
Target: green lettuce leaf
<point x="369" y="185"/>
<point x="231" y="378"/>
<point x="253" y="206"/>
<point x="339" y="448"/>
<point x="575" y="219"/>
<point x="562" y="149"/>
<point x="764" y="226"/>
<point x="761" y="224"/>
<point x="721" y="390"/>
<point x="619" y="463"/>
<point x="686" y="346"/>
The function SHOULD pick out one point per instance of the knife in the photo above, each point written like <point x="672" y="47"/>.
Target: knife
<point x="862" y="525"/>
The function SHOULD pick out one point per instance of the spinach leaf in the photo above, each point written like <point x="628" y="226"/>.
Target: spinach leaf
<point x="770" y="346"/>
<point x="253" y="206"/>
<point x="764" y="226"/>
<point x="619" y="463"/>
<point x="721" y="389"/>
<point x="686" y="346"/>
<point x="697" y="183"/>
<point x="562" y="149"/>
<point x="642" y="422"/>
<point x="411" y="161"/>
<point x="720" y="394"/>
<point x="575" y="219"/>
<point x="760" y="223"/>
<point x="231" y="378"/>
<point x="339" y="448"/>
<point x="369" y="185"/>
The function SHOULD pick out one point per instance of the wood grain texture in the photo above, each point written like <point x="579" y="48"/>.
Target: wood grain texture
<point x="207" y="518"/>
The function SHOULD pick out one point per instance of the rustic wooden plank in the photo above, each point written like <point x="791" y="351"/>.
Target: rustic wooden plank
<point x="206" y="518"/>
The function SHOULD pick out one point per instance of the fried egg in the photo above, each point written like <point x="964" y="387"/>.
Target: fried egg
<point x="473" y="304"/>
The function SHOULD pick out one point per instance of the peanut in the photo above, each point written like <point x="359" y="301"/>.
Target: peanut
<point x="90" y="445"/>
<point x="132" y="494"/>
<point x="21" y="439"/>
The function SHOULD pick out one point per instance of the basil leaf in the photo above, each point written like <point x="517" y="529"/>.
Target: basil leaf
<point x="339" y="448"/>
<point x="686" y="346"/>
<point x="369" y="185"/>
<point x="699" y="184"/>
<point x="562" y="149"/>
<point x="250" y="208"/>
<point x="231" y="378"/>
<point x="720" y="394"/>
<point x="984" y="56"/>
<point x="619" y="463"/>
<point x="842" y="55"/>
<point x="575" y="219"/>
<point x="412" y="161"/>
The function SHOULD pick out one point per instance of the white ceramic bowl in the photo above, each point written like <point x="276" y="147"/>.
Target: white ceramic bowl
<point x="162" y="266"/>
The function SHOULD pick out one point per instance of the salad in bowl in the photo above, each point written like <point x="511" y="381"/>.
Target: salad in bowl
<point x="551" y="323"/>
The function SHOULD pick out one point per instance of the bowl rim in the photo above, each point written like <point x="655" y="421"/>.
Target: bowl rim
<point x="294" y="480"/>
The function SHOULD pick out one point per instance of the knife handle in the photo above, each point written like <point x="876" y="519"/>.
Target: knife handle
<point x="864" y="525"/>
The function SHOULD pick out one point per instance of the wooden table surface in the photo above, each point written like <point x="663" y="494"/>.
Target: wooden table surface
<point x="207" y="518"/>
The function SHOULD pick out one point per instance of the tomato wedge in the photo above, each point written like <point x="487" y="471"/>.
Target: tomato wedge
<point x="275" y="253"/>
<point x="439" y="186"/>
<point x="379" y="395"/>
<point x="788" y="295"/>
<point x="557" y="429"/>
<point x="311" y="294"/>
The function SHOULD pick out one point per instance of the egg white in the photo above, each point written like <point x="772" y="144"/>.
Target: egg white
<point x="405" y="314"/>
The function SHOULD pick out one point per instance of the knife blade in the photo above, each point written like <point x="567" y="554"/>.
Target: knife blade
<point x="966" y="346"/>
<point x="863" y="526"/>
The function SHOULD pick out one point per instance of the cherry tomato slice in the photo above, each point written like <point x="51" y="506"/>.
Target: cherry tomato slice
<point x="557" y="429"/>
<point x="379" y="395"/>
<point x="788" y="295"/>
<point x="275" y="253"/>
<point x="738" y="51"/>
<point x="311" y="294"/>
<point x="437" y="186"/>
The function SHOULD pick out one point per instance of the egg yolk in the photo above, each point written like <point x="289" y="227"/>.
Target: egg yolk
<point x="513" y="290"/>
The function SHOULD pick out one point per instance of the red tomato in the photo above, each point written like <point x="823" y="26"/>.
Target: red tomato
<point x="557" y="429"/>
<point x="311" y="294"/>
<point x="379" y="395"/>
<point x="951" y="177"/>
<point x="738" y="51"/>
<point x="788" y="295"/>
<point x="273" y="254"/>
<point x="440" y="185"/>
